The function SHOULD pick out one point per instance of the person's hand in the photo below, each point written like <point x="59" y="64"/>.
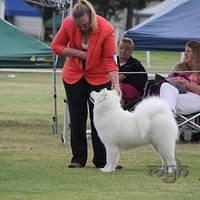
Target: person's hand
<point x="118" y="89"/>
<point x="181" y="80"/>
<point x="121" y="77"/>
<point x="83" y="55"/>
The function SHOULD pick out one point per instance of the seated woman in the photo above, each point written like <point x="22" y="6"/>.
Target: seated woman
<point x="132" y="84"/>
<point x="186" y="102"/>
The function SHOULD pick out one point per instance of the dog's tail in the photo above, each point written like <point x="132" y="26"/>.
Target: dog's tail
<point x="148" y="109"/>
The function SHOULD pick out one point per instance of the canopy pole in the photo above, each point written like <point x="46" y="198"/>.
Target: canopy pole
<point x="148" y="59"/>
<point x="55" y="118"/>
<point x="56" y="5"/>
<point x="2" y="9"/>
<point x="55" y="60"/>
<point x="182" y="56"/>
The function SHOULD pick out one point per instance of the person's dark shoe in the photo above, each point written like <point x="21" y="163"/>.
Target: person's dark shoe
<point x="100" y="166"/>
<point x="118" y="167"/>
<point x="75" y="165"/>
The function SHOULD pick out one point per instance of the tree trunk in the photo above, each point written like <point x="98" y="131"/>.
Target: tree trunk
<point x="129" y="23"/>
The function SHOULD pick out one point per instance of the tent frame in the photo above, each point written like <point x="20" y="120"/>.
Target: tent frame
<point x="56" y="5"/>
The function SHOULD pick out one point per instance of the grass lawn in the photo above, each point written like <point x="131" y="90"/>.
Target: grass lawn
<point x="33" y="160"/>
<point x="159" y="61"/>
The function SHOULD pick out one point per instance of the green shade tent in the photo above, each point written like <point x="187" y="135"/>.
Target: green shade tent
<point x="18" y="49"/>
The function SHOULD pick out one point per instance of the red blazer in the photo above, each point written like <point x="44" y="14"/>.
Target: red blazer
<point x="101" y="48"/>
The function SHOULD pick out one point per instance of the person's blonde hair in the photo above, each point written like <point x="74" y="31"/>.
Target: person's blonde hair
<point x="127" y="42"/>
<point x="82" y="8"/>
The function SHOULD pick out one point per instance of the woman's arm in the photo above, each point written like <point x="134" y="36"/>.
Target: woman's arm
<point x="60" y="43"/>
<point x="194" y="87"/>
<point x="114" y="77"/>
<point x="70" y="52"/>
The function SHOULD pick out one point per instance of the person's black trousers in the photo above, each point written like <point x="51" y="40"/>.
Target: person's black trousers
<point x="78" y="100"/>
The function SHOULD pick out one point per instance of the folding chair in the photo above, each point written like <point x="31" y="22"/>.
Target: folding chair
<point x="189" y="125"/>
<point x="131" y="106"/>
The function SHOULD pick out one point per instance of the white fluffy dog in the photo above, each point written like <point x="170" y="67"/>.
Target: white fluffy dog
<point x="152" y="122"/>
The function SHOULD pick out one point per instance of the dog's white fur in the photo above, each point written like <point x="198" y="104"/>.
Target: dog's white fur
<point x="152" y="122"/>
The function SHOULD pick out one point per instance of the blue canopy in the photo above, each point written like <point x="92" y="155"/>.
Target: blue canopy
<point x="20" y="8"/>
<point x="170" y="29"/>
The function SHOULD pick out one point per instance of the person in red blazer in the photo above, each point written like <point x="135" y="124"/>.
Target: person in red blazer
<point x="88" y="42"/>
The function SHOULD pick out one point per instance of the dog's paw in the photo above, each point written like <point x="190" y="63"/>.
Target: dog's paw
<point x="171" y="169"/>
<point x="107" y="169"/>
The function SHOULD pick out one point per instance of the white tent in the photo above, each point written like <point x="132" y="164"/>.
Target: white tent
<point x="151" y="10"/>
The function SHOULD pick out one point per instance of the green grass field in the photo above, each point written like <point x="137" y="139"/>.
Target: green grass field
<point x="159" y="61"/>
<point x="33" y="160"/>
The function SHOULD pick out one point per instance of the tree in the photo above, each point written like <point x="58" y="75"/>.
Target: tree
<point x="131" y="5"/>
<point x="111" y="8"/>
<point x="106" y="8"/>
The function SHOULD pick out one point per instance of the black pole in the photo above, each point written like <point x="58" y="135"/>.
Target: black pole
<point x="55" y="60"/>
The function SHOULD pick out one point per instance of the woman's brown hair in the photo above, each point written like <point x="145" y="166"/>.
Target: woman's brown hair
<point x="195" y="46"/>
